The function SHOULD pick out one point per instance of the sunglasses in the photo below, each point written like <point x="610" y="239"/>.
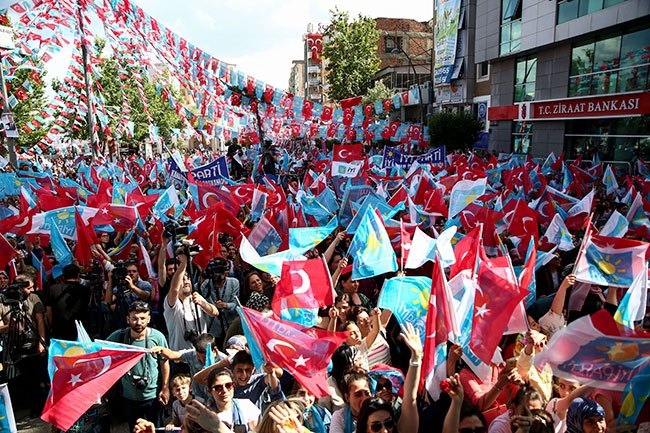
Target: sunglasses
<point x="383" y="385"/>
<point x="472" y="430"/>
<point x="222" y="387"/>
<point x="388" y="424"/>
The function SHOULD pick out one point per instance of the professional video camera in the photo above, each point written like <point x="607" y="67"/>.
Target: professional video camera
<point x="187" y="247"/>
<point x="217" y="269"/>
<point x="94" y="273"/>
<point x="176" y="229"/>
<point x="119" y="276"/>
<point x="14" y="293"/>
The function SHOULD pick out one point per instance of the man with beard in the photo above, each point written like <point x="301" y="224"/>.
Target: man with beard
<point x="185" y="310"/>
<point x="145" y="388"/>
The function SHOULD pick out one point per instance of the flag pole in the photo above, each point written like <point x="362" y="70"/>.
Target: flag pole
<point x="582" y="245"/>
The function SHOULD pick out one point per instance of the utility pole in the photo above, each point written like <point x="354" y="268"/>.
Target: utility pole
<point x="89" y="103"/>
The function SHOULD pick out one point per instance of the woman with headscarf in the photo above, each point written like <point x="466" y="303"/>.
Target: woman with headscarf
<point x="585" y="416"/>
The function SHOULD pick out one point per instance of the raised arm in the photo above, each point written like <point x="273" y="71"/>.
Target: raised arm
<point x="329" y="252"/>
<point x="162" y="256"/>
<point x="376" y="327"/>
<point x="456" y="393"/>
<point x="177" y="281"/>
<point x="409" y="420"/>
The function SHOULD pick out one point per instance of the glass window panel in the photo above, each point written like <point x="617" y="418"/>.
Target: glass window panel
<point x="519" y="93"/>
<point x="582" y="85"/>
<point x="609" y="3"/>
<point x="509" y="9"/>
<point x="521" y="71"/>
<point x="604" y="83"/>
<point x="531" y="73"/>
<point x="582" y="59"/>
<point x="606" y="55"/>
<point x="530" y="92"/>
<point x="589" y="6"/>
<point x="515" y="33"/>
<point x="567" y="11"/>
<point x="635" y="49"/>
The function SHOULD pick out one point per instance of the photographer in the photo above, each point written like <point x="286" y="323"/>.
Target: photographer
<point x="22" y="325"/>
<point x="221" y="291"/>
<point x="145" y="388"/>
<point x="185" y="310"/>
<point x="124" y="288"/>
<point x="67" y="302"/>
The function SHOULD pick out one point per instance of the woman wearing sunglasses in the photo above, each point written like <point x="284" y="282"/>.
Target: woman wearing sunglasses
<point x="240" y="415"/>
<point x="377" y="415"/>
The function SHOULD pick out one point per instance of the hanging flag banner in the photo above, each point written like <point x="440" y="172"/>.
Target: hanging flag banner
<point x="393" y="157"/>
<point x="446" y="38"/>
<point x="214" y="173"/>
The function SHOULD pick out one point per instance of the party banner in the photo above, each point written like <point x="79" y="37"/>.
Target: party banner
<point x="214" y="173"/>
<point x="393" y="157"/>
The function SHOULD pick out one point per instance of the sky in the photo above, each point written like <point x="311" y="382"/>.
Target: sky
<point x="262" y="37"/>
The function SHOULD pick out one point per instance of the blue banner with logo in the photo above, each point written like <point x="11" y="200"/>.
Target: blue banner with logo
<point x="393" y="157"/>
<point x="214" y="173"/>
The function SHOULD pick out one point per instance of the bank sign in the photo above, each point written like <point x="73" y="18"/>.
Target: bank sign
<point x="623" y="105"/>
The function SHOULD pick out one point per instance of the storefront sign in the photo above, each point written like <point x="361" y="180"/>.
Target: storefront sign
<point x="620" y="105"/>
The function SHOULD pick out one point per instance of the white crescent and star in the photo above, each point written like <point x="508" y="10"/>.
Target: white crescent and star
<point x="76" y="378"/>
<point x="274" y="342"/>
<point x="305" y="282"/>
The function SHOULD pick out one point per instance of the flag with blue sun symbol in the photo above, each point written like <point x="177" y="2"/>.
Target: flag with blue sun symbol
<point x="609" y="261"/>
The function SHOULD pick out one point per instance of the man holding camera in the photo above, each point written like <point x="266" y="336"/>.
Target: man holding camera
<point x="185" y="310"/>
<point x="221" y="291"/>
<point x="126" y="287"/>
<point x="145" y="388"/>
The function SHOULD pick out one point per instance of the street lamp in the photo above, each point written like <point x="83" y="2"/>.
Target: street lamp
<point x="397" y="50"/>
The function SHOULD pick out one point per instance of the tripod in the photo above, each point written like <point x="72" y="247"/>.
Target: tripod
<point x="21" y="340"/>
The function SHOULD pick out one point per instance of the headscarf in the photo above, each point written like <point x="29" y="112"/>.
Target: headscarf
<point x="579" y="410"/>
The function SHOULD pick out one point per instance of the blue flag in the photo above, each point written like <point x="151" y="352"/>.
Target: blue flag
<point x="370" y="248"/>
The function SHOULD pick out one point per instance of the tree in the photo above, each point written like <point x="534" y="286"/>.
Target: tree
<point x="350" y="49"/>
<point x="26" y="110"/>
<point x="457" y="131"/>
<point x="379" y="93"/>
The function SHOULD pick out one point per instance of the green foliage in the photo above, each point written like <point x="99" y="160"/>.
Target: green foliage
<point x="457" y="131"/>
<point x="112" y="81"/>
<point x="27" y="109"/>
<point x="350" y="49"/>
<point x="377" y="94"/>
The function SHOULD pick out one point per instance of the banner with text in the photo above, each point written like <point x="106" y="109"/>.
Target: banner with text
<point x="393" y="157"/>
<point x="446" y="38"/>
<point x="214" y="173"/>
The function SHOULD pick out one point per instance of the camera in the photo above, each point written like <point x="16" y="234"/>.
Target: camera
<point x="217" y="269"/>
<point x="190" y="335"/>
<point x="177" y="228"/>
<point x="140" y="382"/>
<point x="119" y="277"/>
<point x="14" y="293"/>
<point x="94" y="273"/>
<point x="187" y="247"/>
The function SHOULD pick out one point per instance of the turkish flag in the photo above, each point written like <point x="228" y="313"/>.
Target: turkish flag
<point x="303" y="352"/>
<point x="326" y="116"/>
<point x="48" y="202"/>
<point x="494" y="304"/>
<point x="18" y="224"/>
<point x="304" y="285"/>
<point x="121" y="217"/>
<point x="7" y="252"/>
<point x="85" y="239"/>
<point x="466" y="252"/>
<point x="347" y="152"/>
<point x="79" y="381"/>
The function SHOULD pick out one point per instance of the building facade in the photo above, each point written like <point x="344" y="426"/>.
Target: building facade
<point x="567" y="75"/>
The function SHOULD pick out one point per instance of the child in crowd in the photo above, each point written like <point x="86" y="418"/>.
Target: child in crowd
<point x="181" y="388"/>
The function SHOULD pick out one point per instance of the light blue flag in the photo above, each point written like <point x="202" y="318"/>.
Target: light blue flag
<point x="304" y="239"/>
<point x="635" y="397"/>
<point x="370" y="249"/>
<point x="60" y="247"/>
<point x="256" y="352"/>
<point x="126" y="243"/>
<point x="609" y="180"/>
<point x="327" y="199"/>
<point x="463" y="193"/>
<point x="616" y="226"/>
<point x="408" y="299"/>
<point x="632" y="306"/>
<point x="167" y="199"/>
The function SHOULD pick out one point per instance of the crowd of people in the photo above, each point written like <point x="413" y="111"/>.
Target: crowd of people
<point x="199" y="374"/>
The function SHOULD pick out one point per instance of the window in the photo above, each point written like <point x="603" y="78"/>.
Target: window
<point x="483" y="71"/>
<point x="610" y="65"/>
<point x="525" y="74"/>
<point x="391" y="43"/>
<point x="510" y="26"/>
<point x="571" y="9"/>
